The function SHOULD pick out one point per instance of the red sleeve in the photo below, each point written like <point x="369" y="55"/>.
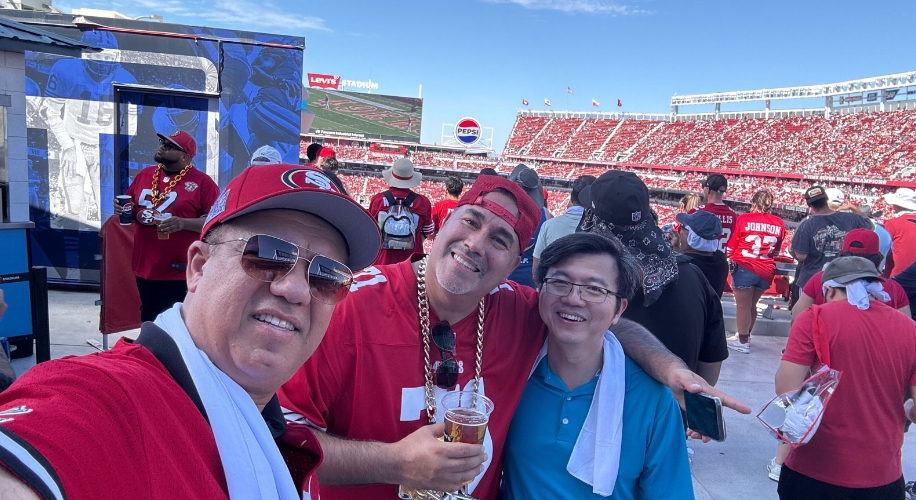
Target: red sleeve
<point x="315" y="387"/>
<point x="375" y="206"/>
<point x="800" y="348"/>
<point x="812" y="286"/>
<point x="425" y="210"/>
<point x="733" y="240"/>
<point x="897" y="293"/>
<point x="778" y="247"/>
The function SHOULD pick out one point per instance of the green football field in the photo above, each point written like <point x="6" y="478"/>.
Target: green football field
<point x="364" y="114"/>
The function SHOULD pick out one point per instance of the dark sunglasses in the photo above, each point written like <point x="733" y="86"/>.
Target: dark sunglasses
<point x="444" y="338"/>
<point x="169" y="145"/>
<point x="268" y="258"/>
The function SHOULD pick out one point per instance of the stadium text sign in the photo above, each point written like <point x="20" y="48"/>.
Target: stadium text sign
<point x="321" y="81"/>
<point x="467" y="131"/>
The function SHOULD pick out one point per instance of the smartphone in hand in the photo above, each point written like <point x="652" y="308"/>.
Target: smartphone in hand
<point x="704" y="415"/>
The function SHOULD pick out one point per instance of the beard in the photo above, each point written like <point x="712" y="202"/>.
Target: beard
<point x="452" y="283"/>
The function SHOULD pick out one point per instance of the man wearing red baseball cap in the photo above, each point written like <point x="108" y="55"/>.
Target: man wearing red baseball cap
<point x="189" y="409"/>
<point x="169" y="200"/>
<point x="414" y="331"/>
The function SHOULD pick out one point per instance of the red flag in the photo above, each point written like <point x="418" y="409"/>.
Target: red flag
<point x="569" y="90"/>
<point x="619" y="104"/>
<point x="524" y="102"/>
<point x="594" y="103"/>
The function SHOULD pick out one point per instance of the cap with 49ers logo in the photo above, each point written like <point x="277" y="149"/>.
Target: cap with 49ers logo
<point x="306" y="189"/>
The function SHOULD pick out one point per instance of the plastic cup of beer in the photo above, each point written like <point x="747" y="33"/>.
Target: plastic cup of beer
<point x="159" y="218"/>
<point x="466" y="416"/>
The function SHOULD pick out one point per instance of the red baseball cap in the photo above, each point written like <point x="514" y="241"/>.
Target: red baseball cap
<point x="306" y="189"/>
<point x="183" y="140"/>
<point x="524" y="225"/>
<point x="861" y="241"/>
<point x="326" y="152"/>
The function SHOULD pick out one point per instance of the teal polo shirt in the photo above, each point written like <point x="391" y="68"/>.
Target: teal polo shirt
<point x="546" y="425"/>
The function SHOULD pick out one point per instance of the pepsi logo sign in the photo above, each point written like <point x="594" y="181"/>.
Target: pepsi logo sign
<point x="467" y="131"/>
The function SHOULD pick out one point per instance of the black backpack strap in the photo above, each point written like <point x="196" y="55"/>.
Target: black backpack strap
<point x="389" y="197"/>
<point x="410" y="198"/>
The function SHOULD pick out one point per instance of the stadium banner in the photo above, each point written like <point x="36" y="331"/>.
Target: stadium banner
<point x="359" y="115"/>
<point x="871" y="97"/>
<point x="890" y="94"/>
<point x="845" y="100"/>
<point x="233" y="91"/>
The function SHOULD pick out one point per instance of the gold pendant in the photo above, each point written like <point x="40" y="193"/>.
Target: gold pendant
<point x="408" y="493"/>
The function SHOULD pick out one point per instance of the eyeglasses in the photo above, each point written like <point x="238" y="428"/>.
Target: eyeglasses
<point x="588" y="293"/>
<point x="169" y="145"/>
<point x="444" y="338"/>
<point x="268" y="258"/>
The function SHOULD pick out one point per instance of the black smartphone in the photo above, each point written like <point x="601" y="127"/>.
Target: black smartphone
<point x="704" y="415"/>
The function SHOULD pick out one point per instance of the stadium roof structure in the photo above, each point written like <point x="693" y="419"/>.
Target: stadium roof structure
<point x="21" y="37"/>
<point x="804" y="92"/>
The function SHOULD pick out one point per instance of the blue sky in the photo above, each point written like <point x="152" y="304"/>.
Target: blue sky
<point x="480" y="58"/>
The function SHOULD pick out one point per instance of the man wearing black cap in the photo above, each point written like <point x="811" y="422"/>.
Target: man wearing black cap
<point x="170" y="201"/>
<point x="714" y="188"/>
<point x="529" y="180"/>
<point x="819" y="238"/>
<point x="874" y="347"/>
<point x="699" y="239"/>
<point x="676" y="302"/>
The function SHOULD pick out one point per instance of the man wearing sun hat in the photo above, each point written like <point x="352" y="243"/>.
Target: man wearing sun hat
<point x="902" y="229"/>
<point x="405" y="227"/>
<point x="874" y="348"/>
<point x="189" y="409"/>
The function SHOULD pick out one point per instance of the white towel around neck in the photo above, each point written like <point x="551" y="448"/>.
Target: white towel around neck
<point x="595" y="458"/>
<point x="251" y="460"/>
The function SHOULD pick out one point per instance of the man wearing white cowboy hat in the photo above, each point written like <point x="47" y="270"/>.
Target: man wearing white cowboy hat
<point x="902" y="230"/>
<point x="404" y="216"/>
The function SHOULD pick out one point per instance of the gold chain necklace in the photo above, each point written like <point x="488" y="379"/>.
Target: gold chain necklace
<point x="424" y="329"/>
<point x="156" y="196"/>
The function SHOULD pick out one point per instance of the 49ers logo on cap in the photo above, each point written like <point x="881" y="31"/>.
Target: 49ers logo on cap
<point x="303" y="177"/>
<point x="467" y="131"/>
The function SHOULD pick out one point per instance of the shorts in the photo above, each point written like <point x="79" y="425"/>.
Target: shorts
<point x="742" y="278"/>
<point x="795" y="485"/>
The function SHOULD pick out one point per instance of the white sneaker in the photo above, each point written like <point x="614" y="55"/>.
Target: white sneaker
<point x="734" y="343"/>
<point x="773" y="470"/>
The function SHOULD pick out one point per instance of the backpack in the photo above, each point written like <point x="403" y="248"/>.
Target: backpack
<point x="398" y="225"/>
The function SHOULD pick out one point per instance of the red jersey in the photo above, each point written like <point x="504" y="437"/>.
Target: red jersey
<point x="122" y="416"/>
<point x="420" y="208"/>
<point x="728" y="218"/>
<point x="191" y="198"/>
<point x="366" y="380"/>
<point x="756" y="241"/>
<point x="441" y="210"/>
<point x="903" y="241"/>
<point x="875" y="349"/>
<point x="814" y="289"/>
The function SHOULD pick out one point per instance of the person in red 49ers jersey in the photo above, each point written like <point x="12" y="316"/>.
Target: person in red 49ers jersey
<point x="411" y="332"/>
<point x="714" y="188"/>
<point x="758" y="237"/>
<point x="173" y="187"/>
<point x="442" y="208"/>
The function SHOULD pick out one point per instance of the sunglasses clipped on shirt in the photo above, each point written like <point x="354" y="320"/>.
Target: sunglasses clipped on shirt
<point x="268" y="258"/>
<point x="444" y="338"/>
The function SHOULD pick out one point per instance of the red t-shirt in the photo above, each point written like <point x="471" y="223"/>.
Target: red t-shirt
<point x="421" y="208"/>
<point x="814" y="289"/>
<point x="441" y="210"/>
<point x="756" y="240"/>
<point x="875" y="350"/>
<point x="192" y="197"/>
<point x="728" y="218"/>
<point x="903" y="241"/>
<point x="366" y="380"/>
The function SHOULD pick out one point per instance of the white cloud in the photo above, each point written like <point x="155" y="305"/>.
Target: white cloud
<point x="239" y="14"/>
<point x="577" y="6"/>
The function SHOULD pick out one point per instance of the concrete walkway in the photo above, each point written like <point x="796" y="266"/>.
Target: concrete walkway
<point x="733" y="469"/>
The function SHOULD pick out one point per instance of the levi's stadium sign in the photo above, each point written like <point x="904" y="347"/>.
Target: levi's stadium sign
<point x="320" y="81"/>
<point x="467" y="131"/>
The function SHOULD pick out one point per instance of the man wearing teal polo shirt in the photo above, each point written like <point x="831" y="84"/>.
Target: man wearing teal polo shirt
<point x="586" y="403"/>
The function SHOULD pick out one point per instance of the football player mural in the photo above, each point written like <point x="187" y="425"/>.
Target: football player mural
<point x="93" y="121"/>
